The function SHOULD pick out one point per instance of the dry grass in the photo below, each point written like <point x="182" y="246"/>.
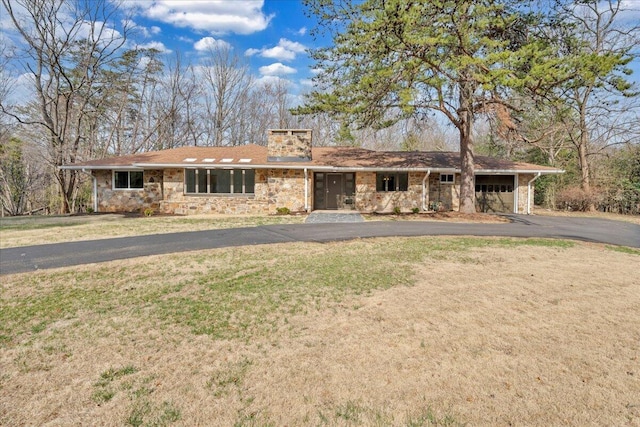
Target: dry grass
<point x="634" y="219"/>
<point x="36" y="230"/>
<point x="419" y="331"/>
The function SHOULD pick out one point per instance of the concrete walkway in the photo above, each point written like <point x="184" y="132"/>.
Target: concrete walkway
<point x="328" y="217"/>
<point x="30" y="258"/>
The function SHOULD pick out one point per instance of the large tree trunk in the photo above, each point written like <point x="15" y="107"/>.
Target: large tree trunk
<point x="467" y="161"/>
<point x="583" y="148"/>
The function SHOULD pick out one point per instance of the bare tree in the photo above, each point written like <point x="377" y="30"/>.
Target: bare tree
<point x="67" y="45"/>
<point x="596" y="45"/>
<point x="226" y="83"/>
<point x="175" y="109"/>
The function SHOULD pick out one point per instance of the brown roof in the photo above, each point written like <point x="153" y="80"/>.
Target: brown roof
<point x="322" y="158"/>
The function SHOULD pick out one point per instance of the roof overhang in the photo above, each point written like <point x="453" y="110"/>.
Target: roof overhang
<point x="318" y="168"/>
<point x="102" y="167"/>
<point x="517" y="171"/>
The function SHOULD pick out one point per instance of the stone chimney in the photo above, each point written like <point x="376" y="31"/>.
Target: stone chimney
<point x="289" y="145"/>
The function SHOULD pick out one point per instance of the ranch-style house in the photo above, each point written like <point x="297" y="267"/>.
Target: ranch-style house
<point x="290" y="173"/>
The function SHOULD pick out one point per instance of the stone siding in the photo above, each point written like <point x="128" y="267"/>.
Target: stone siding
<point x="119" y="200"/>
<point x="370" y="200"/>
<point x="445" y="197"/>
<point x="278" y="188"/>
<point x="523" y="180"/>
<point x="289" y="145"/>
<point x="286" y="189"/>
<point x="179" y="203"/>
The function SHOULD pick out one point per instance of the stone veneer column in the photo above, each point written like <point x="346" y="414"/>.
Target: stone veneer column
<point x="289" y="145"/>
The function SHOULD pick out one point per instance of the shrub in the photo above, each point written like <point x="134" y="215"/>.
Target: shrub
<point x="397" y="210"/>
<point x="415" y="210"/>
<point x="148" y="212"/>
<point x="283" y="211"/>
<point x="576" y="199"/>
<point x="436" y="206"/>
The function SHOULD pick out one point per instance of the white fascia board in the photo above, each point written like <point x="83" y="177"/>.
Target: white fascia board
<point x="143" y="166"/>
<point x="107" y="167"/>
<point x="301" y="166"/>
<point x="516" y="171"/>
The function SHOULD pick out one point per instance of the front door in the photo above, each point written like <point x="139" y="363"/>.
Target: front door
<point x="334" y="190"/>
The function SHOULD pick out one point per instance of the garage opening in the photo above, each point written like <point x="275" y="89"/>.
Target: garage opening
<point x="494" y="193"/>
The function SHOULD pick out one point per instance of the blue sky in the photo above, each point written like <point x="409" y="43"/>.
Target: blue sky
<point x="272" y="35"/>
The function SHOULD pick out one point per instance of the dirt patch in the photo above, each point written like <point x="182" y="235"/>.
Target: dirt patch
<point x="450" y="216"/>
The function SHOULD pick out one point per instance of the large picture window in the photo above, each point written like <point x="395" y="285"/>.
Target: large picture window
<point x="392" y="181"/>
<point x="219" y="181"/>
<point x="128" y="180"/>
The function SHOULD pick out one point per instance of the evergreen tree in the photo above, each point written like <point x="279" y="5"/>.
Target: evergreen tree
<point x="393" y="59"/>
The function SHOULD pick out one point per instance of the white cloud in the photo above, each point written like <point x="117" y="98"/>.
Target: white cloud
<point x="286" y="50"/>
<point x="279" y="52"/>
<point x="307" y="82"/>
<point x="209" y="43"/>
<point x="140" y="29"/>
<point x="217" y="17"/>
<point x="159" y="46"/>
<point x="20" y="88"/>
<point x="276" y="69"/>
<point x="186" y="39"/>
<point x="630" y="10"/>
<point x="302" y="31"/>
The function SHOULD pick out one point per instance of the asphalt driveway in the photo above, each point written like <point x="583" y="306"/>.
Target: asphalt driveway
<point x="30" y="258"/>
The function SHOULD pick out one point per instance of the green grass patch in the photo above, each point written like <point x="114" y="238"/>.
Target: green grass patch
<point x="624" y="250"/>
<point x="6" y="226"/>
<point x="353" y="413"/>
<point x="230" y="293"/>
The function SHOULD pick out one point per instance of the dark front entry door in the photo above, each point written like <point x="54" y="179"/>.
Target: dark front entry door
<point x="334" y="190"/>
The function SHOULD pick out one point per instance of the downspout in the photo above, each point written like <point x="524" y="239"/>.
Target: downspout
<point x="529" y="192"/>
<point x="424" y="190"/>
<point x="306" y="190"/>
<point x="95" y="189"/>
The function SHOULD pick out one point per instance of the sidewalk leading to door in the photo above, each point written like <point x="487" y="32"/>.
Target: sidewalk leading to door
<point x="323" y="217"/>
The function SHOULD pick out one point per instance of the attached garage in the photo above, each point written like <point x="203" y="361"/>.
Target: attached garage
<point x="495" y="193"/>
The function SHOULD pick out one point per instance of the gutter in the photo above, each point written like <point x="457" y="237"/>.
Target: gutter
<point x="424" y="190"/>
<point x="143" y="166"/>
<point x="529" y="192"/>
<point x="306" y="190"/>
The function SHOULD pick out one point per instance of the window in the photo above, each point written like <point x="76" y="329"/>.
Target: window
<point x="127" y="180"/>
<point x="447" y="178"/>
<point x="388" y="181"/>
<point x="219" y="181"/>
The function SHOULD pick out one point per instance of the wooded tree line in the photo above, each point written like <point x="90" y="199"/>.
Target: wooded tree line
<point x="485" y="76"/>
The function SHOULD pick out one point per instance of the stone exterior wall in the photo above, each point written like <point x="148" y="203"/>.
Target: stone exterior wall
<point x="289" y="144"/>
<point x="523" y="180"/>
<point x="179" y="203"/>
<point x="369" y="200"/>
<point x="444" y="196"/>
<point x="286" y="189"/>
<point x="278" y="188"/>
<point x="117" y="200"/>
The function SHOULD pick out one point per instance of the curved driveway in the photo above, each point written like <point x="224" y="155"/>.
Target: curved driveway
<point x="30" y="258"/>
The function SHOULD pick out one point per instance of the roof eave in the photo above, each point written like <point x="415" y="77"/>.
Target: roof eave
<point x="520" y="171"/>
<point x="325" y="168"/>
<point x="99" y="167"/>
